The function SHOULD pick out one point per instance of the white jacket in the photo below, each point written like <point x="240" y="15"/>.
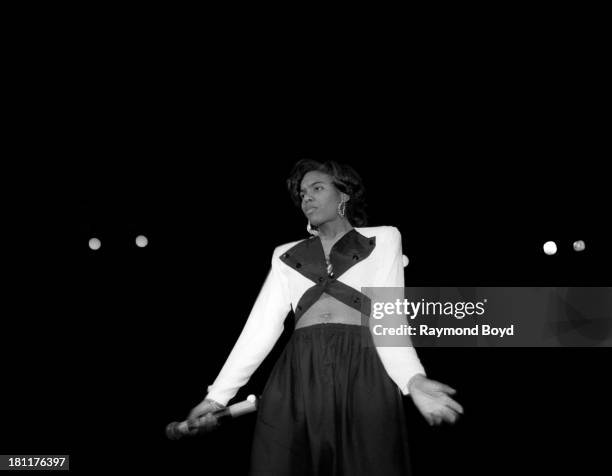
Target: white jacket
<point x="362" y="257"/>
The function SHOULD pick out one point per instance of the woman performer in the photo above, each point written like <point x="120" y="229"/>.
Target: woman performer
<point x="332" y="404"/>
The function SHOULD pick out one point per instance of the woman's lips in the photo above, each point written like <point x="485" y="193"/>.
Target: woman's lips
<point x="310" y="210"/>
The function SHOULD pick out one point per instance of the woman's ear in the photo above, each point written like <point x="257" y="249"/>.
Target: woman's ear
<point x="345" y="197"/>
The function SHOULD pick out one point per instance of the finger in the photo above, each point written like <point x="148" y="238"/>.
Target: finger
<point x="192" y="425"/>
<point x="442" y="387"/>
<point x="450" y="416"/>
<point x="210" y="418"/>
<point x="436" y="418"/>
<point x="198" y="418"/>
<point x="452" y="404"/>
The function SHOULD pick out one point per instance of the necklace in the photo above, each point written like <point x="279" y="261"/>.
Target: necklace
<point x="330" y="271"/>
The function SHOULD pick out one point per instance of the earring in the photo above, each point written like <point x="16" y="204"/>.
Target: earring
<point x="311" y="230"/>
<point x="342" y="208"/>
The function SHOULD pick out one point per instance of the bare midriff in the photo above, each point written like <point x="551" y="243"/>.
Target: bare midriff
<point x="327" y="309"/>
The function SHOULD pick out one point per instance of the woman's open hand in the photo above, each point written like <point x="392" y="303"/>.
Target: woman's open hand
<point x="433" y="400"/>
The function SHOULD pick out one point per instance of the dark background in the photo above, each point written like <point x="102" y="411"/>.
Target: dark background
<point x="477" y="152"/>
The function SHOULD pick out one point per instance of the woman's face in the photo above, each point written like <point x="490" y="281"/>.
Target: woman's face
<point x="320" y="198"/>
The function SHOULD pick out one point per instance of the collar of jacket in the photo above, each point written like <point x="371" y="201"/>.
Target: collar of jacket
<point x="308" y="258"/>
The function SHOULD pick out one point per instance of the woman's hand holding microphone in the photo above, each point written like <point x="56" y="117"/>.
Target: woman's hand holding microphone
<point x="201" y="414"/>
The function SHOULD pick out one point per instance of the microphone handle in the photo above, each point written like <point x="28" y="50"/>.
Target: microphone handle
<point x="177" y="430"/>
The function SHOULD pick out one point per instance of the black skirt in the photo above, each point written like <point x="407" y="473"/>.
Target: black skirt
<point x="330" y="408"/>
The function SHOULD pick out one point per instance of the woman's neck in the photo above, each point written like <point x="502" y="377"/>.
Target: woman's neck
<point x="331" y="230"/>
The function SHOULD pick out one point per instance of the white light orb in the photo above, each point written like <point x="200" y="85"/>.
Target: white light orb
<point x="550" y="248"/>
<point x="405" y="260"/>
<point x="579" y="245"/>
<point x="95" y="243"/>
<point x="251" y="398"/>
<point x="141" y="241"/>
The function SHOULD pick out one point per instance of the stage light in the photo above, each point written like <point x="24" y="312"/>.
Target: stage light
<point x="95" y="243"/>
<point x="579" y="245"/>
<point x="405" y="260"/>
<point x="550" y="248"/>
<point x="141" y="241"/>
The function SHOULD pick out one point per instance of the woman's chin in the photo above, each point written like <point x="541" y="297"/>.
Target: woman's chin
<point x="313" y="221"/>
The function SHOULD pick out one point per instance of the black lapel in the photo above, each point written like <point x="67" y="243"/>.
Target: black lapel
<point x="307" y="258"/>
<point x="349" y="250"/>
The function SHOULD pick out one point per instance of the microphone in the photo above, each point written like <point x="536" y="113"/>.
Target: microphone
<point x="205" y="424"/>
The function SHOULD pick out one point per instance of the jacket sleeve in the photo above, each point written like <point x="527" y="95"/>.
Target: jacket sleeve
<point x="261" y="331"/>
<point x="401" y="363"/>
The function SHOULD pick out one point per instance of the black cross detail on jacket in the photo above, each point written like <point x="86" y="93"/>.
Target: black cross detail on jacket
<point x="308" y="259"/>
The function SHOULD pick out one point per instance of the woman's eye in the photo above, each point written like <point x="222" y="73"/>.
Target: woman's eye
<point x="319" y="187"/>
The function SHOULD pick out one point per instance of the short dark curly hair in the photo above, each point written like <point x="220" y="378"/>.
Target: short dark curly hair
<point x="344" y="178"/>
